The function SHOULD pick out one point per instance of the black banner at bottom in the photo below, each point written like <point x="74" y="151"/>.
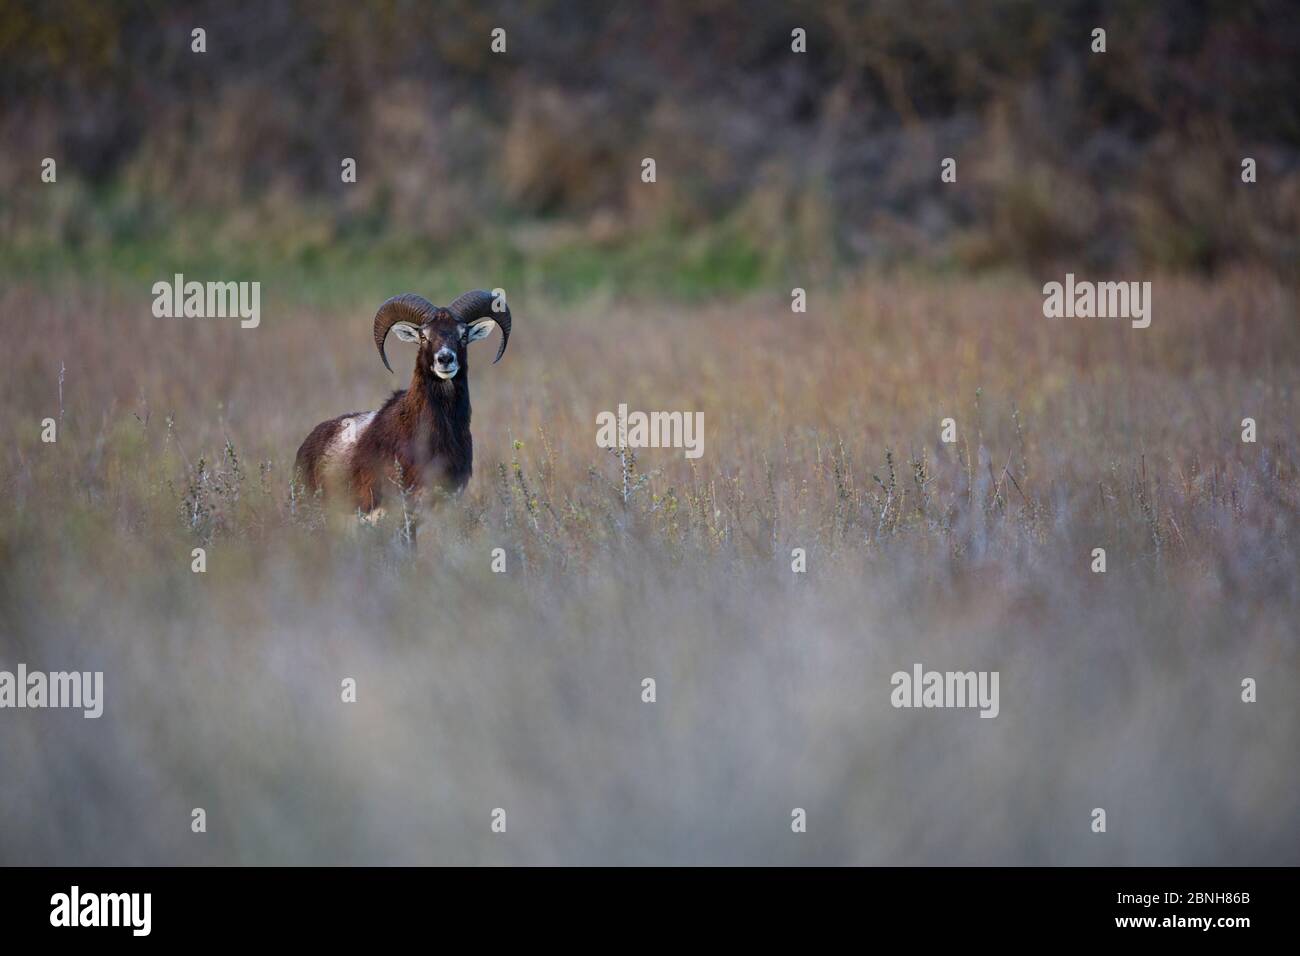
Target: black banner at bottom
<point x="213" y="905"/>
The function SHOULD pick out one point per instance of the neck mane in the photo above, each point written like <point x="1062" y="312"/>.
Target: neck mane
<point x="444" y="404"/>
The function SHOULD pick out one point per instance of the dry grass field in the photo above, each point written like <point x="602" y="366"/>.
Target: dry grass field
<point x="522" y="690"/>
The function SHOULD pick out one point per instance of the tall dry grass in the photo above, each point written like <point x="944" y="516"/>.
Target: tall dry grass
<point x="522" y="690"/>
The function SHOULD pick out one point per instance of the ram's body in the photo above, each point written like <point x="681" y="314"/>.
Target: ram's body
<point x="420" y="438"/>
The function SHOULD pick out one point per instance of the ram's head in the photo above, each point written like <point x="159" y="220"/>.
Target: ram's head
<point x="442" y="333"/>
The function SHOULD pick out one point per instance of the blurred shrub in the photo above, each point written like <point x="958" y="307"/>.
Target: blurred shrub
<point x="1110" y="161"/>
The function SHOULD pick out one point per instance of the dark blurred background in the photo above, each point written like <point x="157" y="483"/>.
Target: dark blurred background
<point x="771" y="164"/>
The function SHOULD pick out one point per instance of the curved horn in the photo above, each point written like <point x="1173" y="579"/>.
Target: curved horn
<point x="477" y="304"/>
<point x="412" y="308"/>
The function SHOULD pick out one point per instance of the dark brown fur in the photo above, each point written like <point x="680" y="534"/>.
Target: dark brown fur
<point x="421" y="434"/>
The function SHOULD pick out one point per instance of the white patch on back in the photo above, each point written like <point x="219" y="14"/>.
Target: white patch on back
<point x="335" y="458"/>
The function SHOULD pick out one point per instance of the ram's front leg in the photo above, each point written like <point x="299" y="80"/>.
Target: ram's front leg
<point x="405" y="504"/>
<point x="372" y="517"/>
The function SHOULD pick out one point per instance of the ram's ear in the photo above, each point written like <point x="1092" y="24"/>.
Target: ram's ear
<point x="406" y="332"/>
<point x="480" y="329"/>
